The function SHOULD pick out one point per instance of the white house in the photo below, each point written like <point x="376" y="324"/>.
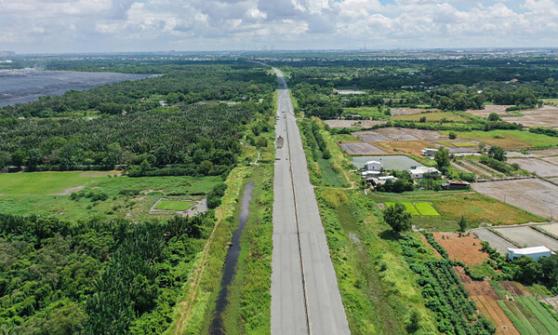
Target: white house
<point x="533" y="252"/>
<point x="429" y="152"/>
<point x="418" y="172"/>
<point x="373" y="166"/>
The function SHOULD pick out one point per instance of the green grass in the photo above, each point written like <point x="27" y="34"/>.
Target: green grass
<point x="378" y="289"/>
<point x="174" y="205"/>
<point x="529" y="316"/>
<point x="426" y="209"/>
<point x="451" y="205"/>
<point x="432" y="117"/>
<point x="417" y="209"/>
<point x="48" y="194"/>
<point x="509" y="139"/>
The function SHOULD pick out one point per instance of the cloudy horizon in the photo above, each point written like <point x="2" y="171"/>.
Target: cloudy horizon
<point x="73" y="26"/>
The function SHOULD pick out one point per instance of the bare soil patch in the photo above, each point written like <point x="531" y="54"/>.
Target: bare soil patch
<point x="495" y="241"/>
<point x="397" y="134"/>
<point x="533" y="195"/>
<point x="546" y="116"/>
<point x="409" y="147"/>
<point x="353" y="123"/>
<point x="526" y="236"/>
<point x="515" y="288"/>
<point x="545" y="153"/>
<point x="464" y="248"/>
<point x="498" y="109"/>
<point x="359" y="148"/>
<point x="540" y="167"/>
<point x="71" y="190"/>
<point x="551" y="228"/>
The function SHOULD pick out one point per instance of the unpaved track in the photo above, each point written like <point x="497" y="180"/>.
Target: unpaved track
<point x="305" y="298"/>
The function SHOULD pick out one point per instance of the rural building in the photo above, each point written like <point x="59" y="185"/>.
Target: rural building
<point x="429" y="152"/>
<point x="379" y="181"/>
<point x="370" y="174"/>
<point x="373" y="166"/>
<point x="533" y="252"/>
<point x="419" y="172"/>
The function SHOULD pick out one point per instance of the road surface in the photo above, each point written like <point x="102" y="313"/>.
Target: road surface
<point x="305" y="298"/>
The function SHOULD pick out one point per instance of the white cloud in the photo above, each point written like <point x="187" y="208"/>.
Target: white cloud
<point x="99" y="25"/>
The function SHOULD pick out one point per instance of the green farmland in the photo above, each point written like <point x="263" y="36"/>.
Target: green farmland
<point x="418" y="208"/>
<point x="81" y="195"/>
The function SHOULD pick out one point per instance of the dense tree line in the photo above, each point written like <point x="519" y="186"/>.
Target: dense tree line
<point x="94" y="277"/>
<point x="200" y="140"/>
<point x="173" y="124"/>
<point x="187" y="84"/>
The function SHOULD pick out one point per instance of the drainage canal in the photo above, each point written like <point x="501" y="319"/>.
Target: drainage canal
<point x="231" y="262"/>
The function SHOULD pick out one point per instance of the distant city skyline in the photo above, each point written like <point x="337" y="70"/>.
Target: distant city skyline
<point x="74" y="26"/>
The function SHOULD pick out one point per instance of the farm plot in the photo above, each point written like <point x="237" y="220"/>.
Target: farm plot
<point x="431" y="117"/>
<point x="359" y="149"/>
<point x="529" y="316"/>
<point x="533" y="195"/>
<point x="498" y="109"/>
<point x="496" y="242"/>
<point x="547" y="116"/>
<point x="464" y="248"/>
<point x="409" y="111"/>
<point x="525" y="236"/>
<point x="551" y="228"/>
<point x="486" y="299"/>
<point x="388" y="162"/>
<point x="545" y="153"/>
<point x="540" y="167"/>
<point x="336" y="124"/>
<point x="408" y="147"/>
<point x="397" y="134"/>
<point x="509" y="139"/>
<point x="417" y="208"/>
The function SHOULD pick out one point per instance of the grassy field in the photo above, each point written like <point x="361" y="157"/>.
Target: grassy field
<point x="417" y="208"/>
<point x="509" y="139"/>
<point x="432" y="117"/>
<point x="50" y="193"/>
<point x="373" y="113"/>
<point x="451" y="205"/>
<point x="378" y="289"/>
<point x="174" y="205"/>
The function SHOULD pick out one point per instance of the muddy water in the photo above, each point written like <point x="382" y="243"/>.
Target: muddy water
<point x="231" y="262"/>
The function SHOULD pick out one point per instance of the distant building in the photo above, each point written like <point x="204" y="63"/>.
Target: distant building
<point x="373" y="166"/>
<point x="419" y="172"/>
<point x="533" y="252"/>
<point x="370" y="174"/>
<point x="429" y="152"/>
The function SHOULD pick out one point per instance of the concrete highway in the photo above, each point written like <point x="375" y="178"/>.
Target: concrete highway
<point x="305" y="298"/>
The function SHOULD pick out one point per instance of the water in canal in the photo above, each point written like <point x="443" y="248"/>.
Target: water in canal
<point x="231" y="262"/>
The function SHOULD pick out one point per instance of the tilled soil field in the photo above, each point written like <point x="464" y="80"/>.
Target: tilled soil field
<point x="547" y="116"/>
<point x="533" y="195"/>
<point x="540" y="167"/>
<point x="526" y="236"/>
<point x="486" y="299"/>
<point x="465" y="248"/>
<point x="359" y="149"/>
<point x="495" y="241"/>
<point x="397" y="134"/>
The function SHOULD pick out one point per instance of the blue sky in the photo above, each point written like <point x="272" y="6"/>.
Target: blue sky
<point x="158" y="25"/>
